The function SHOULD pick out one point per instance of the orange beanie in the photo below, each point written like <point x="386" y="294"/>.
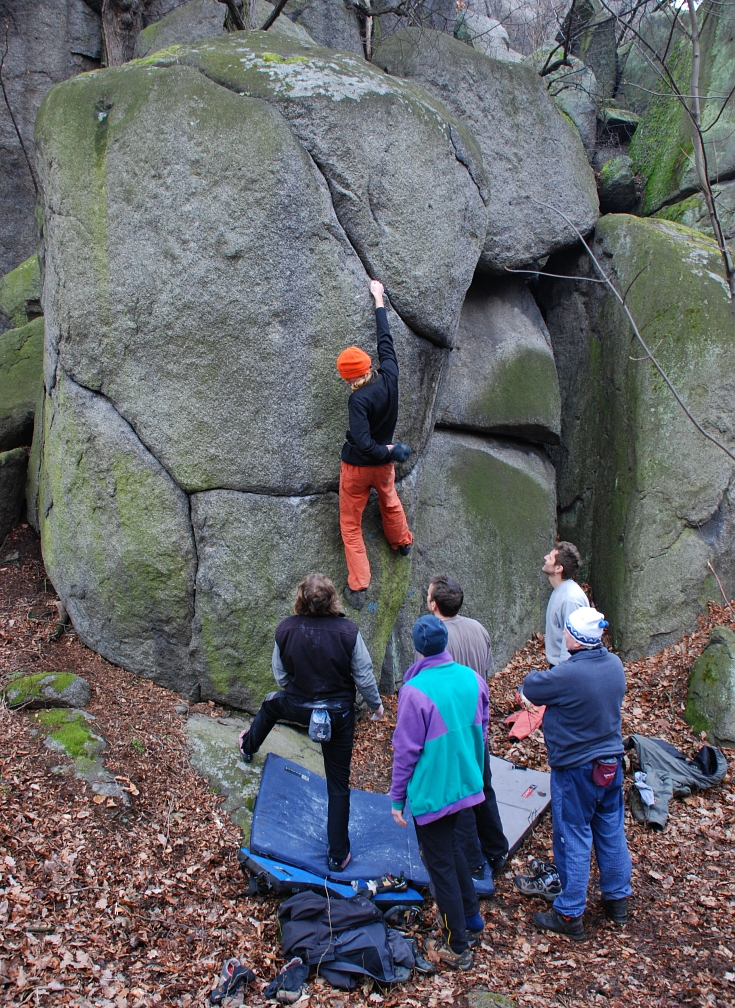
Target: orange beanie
<point x="353" y="363"/>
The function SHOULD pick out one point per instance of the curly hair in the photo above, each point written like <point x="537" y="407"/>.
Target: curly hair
<point x="567" y="556"/>
<point x="317" y="596"/>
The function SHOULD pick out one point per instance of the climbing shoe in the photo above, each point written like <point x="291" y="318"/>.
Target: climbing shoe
<point x="616" y="910"/>
<point x="235" y="976"/>
<point x="356" y="599"/>
<point x="538" y="867"/>
<point x="572" y="927"/>
<point x="405" y="550"/>
<point x="546" y="885"/>
<point x="247" y="757"/>
<point x="442" y="954"/>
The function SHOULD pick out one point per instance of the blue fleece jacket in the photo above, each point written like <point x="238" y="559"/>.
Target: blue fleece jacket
<point x="583" y="697"/>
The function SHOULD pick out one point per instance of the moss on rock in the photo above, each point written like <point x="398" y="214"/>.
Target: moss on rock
<point x="20" y="294"/>
<point x="68" y="731"/>
<point x="48" y="689"/>
<point x="21" y="360"/>
<point x="711" y="693"/>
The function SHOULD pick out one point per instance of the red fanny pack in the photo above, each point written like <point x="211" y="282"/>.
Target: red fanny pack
<point x="603" y="772"/>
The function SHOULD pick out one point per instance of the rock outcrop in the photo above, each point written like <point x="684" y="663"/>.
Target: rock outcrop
<point x="536" y="162"/>
<point x="711" y="693"/>
<point x="21" y="353"/>
<point x="646" y="498"/>
<point x="48" y="689"/>
<point x="574" y="89"/>
<point x="13" y="469"/>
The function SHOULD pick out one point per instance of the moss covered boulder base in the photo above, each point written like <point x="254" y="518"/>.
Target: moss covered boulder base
<point x="48" y="689"/>
<point x="711" y="696"/>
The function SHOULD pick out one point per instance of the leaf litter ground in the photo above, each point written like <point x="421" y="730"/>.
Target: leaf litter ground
<point x="119" y="905"/>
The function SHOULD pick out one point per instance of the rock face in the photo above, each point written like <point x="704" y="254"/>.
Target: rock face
<point x="661" y="30"/>
<point x="662" y="148"/>
<point x="485" y="34"/>
<point x="501" y="377"/>
<point x="486" y="514"/>
<point x="13" y="468"/>
<point x="47" y="41"/>
<point x="617" y="186"/>
<point x="644" y="496"/>
<point x="21" y="353"/>
<point x="116" y="537"/>
<point x="693" y="211"/>
<point x="711" y="695"/>
<point x="331" y="23"/>
<point x="574" y="89"/>
<point x="532" y="154"/>
<point x="20" y="295"/>
<point x="48" y="689"/>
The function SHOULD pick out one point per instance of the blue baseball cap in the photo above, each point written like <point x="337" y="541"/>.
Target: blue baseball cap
<point x="429" y="635"/>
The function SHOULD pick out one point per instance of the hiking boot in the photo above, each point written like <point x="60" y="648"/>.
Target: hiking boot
<point x="443" y="955"/>
<point x="616" y="910"/>
<point x="420" y="964"/>
<point x="356" y="599"/>
<point x="497" y="864"/>
<point x="554" y="921"/>
<point x="539" y="867"/>
<point x="547" y="885"/>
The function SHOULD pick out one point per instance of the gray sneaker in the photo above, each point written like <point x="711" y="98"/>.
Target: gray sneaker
<point x="547" y="885"/>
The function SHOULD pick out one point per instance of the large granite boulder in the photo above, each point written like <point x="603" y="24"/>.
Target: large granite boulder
<point x="711" y="693"/>
<point x="531" y="153"/>
<point x="20" y="295"/>
<point x="573" y="87"/>
<point x="331" y="23"/>
<point x="485" y="34"/>
<point x="643" y="495"/>
<point x="486" y="515"/>
<point x="662" y="148"/>
<point x="21" y="355"/>
<point x="404" y="175"/>
<point x="501" y="377"/>
<point x="658" y="34"/>
<point x="693" y="211"/>
<point x="45" y="42"/>
<point x="595" y="42"/>
<point x="116" y="537"/>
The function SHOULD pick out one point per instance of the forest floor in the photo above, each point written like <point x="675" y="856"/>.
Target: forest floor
<point x="122" y="906"/>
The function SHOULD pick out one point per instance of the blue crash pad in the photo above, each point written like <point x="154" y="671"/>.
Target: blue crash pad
<point x="290" y="822"/>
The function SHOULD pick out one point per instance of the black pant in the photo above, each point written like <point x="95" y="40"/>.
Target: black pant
<point x="451" y="882"/>
<point x="480" y="830"/>
<point x="337" y="755"/>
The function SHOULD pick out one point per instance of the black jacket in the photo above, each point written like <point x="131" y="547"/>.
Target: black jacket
<point x="316" y="652"/>
<point x="373" y="408"/>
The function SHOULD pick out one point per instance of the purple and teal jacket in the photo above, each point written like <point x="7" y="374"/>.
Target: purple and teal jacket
<point x="439" y="741"/>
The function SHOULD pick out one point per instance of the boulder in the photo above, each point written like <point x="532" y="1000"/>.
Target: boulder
<point x="20" y="295"/>
<point x="711" y="694"/>
<point x="116" y="538"/>
<point x="204" y="19"/>
<point x="574" y="90"/>
<point x="617" y="185"/>
<point x="531" y="153"/>
<point x="414" y="218"/>
<point x="485" y="34"/>
<point x="596" y="44"/>
<point x="661" y="30"/>
<point x="213" y="750"/>
<point x="21" y="362"/>
<point x="501" y="377"/>
<point x="486" y="514"/>
<point x="46" y="41"/>
<point x="643" y="495"/>
<point x="69" y="732"/>
<point x="48" y="689"/>
<point x="13" y="468"/>
<point x="662" y="148"/>
<point x="694" y="214"/>
<point x="330" y="23"/>
<point x="248" y="571"/>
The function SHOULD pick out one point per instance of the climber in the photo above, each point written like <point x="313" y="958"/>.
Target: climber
<point x="560" y="564"/>
<point x="368" y="459"/>
<point x="438" y="758"/>
<point x="582" y="729"/>
<point x="318" y="659"/>
<point x="479" y="828"/>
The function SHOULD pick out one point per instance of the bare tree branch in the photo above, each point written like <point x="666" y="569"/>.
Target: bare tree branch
<point x="271" y="19"/>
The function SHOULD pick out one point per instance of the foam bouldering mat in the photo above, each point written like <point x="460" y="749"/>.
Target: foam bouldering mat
<point x="290" y="822"/>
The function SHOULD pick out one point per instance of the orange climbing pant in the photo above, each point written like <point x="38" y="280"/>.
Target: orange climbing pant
<point x="354" y="489"/>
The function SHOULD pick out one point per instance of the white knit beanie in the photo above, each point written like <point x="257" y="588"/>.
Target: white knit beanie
<point x="586" y="626"/>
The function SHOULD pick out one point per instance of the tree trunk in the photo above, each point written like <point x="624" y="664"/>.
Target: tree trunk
<point x="122" y="21"/>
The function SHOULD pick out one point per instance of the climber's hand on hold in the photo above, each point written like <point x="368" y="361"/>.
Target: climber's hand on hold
<point x="377" y="289"/>
<point x="398" y="816"/>
<point x="377" y="715"/>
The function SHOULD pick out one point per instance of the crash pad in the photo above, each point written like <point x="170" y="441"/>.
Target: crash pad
<point x="290" y="822"/>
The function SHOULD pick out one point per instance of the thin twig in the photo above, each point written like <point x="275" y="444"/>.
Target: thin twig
<point x="649" y="354"/>
<point x="727" y="601"/>
<point x="559" y="276"/>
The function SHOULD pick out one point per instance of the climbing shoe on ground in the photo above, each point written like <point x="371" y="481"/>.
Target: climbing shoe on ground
<point x="554" y="921"/>
<point x="538" y="867"/>
<point x="288" y="987"/>
<point x="442" y="954"/>
<point x="237" y="976"/>
<point x="616" y="910"/>
<point x="420" y="964"/>
<point x="402" y="916"/>
<point x="356" y="599"/>
<point x="546" y="885"/>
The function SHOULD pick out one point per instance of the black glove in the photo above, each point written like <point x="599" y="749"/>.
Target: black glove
<point x="400" y="452"/>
